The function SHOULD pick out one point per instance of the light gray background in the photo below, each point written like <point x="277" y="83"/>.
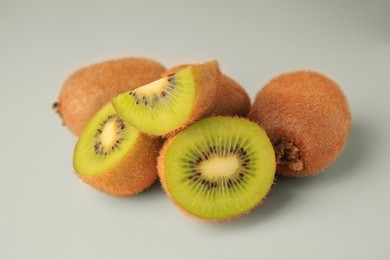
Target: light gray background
<point x="47" y="213"/>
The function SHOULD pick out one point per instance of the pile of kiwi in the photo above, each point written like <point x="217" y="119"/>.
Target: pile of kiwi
<point x="195" y="130"/>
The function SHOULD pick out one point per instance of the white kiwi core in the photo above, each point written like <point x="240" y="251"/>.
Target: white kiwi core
<point x="220" y="166"/>
<point x="108" y="136"/>
<point x="153" y="87"/>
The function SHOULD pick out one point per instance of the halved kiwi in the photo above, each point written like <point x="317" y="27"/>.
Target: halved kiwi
<point x="172" y="102"/>
<point x="218" y="168"/>
<point x="113" y="156"/>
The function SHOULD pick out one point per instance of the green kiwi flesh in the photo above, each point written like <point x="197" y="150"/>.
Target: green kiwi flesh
<point x="218" y="168"/>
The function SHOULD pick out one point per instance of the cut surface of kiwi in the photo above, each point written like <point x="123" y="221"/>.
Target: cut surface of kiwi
<point x="218" y="168"/>
<point x="115" y="157"/>
<point x="171" y="102"/>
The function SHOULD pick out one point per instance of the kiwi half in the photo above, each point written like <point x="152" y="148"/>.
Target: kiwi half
<point x="307" y="118"/>
<point x="172" y="102"/>
<point x="115" y="157"/>
<point x="90" y="88"/>
<point x="218" y="168"/>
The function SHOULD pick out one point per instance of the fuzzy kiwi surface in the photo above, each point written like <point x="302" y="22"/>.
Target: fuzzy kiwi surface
<point x="88" y="89"/>
<point x="307" y="117"/>
<point x="217" y="169"/>
<point x="232" y="99"/>
<point x="115" y="157"/>
<point x="172" y="102"/>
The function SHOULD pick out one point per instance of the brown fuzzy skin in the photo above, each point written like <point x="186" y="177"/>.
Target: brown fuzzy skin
<point x="232" y="99"/>
<point x="306" y="112"/>
<point x="90" y="88"/>
<point x="134" y="173"/>
<point x="207" y="79"/>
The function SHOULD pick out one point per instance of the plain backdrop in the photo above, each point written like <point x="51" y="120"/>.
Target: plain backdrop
<point x="47" y="213"/>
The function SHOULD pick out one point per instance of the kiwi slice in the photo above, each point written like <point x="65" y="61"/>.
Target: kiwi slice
<point x="218" y="168"/>
<point x="113" y="156"/>
<point x="172" y="102"/>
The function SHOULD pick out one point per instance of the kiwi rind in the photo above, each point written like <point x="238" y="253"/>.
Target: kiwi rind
<point x="130" y="174"/>
<point x="88" y="89"/>
<point x="307" y="118"/>
<point x="268" y="159"/>
<point x="233" y="100"/>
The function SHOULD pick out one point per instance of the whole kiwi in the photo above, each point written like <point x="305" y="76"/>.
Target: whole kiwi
<point x="307" y="117"/>
<point x="88" y="89"/>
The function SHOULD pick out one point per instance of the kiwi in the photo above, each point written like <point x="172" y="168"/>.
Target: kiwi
<point x="114" y="157"/>
<point x="90" y="88"/>
<point x="232" y="99"/>
<point x="307" y="118"/>
<point x="219" y="168"/>
<point x="172" y="102"/>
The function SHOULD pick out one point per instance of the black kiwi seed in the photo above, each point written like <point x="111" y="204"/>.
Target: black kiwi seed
<point x="171" y="78"/>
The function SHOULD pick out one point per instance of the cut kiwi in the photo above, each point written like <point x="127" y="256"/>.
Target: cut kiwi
<point x="218" y="168"/>
<point x="113" y="156"/>
<point x="172" y="102"/>
<point x="307" y="118"/>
